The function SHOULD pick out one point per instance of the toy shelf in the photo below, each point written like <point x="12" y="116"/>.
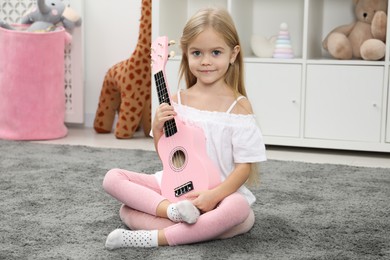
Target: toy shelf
<point x="311" y="100"/>
<point x="261" y="17"/>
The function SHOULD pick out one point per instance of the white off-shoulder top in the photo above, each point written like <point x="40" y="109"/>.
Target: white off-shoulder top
<point x="230" y="138"/>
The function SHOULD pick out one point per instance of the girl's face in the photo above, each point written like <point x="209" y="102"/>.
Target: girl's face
<point x="209" y="57"/>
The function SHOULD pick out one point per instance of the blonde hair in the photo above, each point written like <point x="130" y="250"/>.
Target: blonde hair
<point x="222" y="23"/>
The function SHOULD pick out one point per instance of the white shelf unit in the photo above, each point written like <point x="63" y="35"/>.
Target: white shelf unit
<point x="311" y="100"/>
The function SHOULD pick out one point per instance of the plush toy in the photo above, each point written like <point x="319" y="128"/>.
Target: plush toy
<point x="363" y="39"/>
<point x="46" y="16"/>
<point x="126" y="87"/>
<point x="262" y="46"/>
<point x="70" y="19"/>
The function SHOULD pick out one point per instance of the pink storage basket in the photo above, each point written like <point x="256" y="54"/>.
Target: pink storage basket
<point x="32" y="94"/>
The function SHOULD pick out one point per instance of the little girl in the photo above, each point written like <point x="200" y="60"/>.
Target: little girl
<point x="215" y="100"/>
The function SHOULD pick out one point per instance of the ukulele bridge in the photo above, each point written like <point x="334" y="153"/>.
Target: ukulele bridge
<point x="183" y="189"/>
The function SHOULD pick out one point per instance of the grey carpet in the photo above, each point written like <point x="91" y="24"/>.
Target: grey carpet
<point x="53" y="207"/>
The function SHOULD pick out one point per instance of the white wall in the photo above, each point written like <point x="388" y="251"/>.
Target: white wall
<point x="110" y="36"/>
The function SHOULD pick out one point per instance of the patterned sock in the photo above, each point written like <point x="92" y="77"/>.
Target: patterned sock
<point x="120" y="238"/>
<point x="183" y="211"/>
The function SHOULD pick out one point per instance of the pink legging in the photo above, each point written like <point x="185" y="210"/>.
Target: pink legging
<point x="140" y="194"/>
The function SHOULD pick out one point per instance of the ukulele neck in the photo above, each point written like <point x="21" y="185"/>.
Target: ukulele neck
<point x="170" y="127"/>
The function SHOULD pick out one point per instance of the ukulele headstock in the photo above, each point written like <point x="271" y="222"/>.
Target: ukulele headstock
<point x="159" y="53"/>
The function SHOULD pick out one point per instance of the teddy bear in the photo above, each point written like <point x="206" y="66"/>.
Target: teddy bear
<point x="46" y="15"/>
<point x="363" y="39"/>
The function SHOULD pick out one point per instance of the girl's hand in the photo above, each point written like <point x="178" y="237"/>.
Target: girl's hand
<point x="164" y="113"/>
<point x="208" y="200"/>
<point x="204" y="200"/>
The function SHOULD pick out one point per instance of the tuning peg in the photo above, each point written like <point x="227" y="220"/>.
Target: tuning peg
<point x="171" y="42"/>
<point x="171" y="54"/>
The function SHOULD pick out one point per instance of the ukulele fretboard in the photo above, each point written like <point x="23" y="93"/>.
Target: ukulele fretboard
<point x="163" y="97"/>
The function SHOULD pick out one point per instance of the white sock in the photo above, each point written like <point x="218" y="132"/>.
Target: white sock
<point x="183" y="211"/>
<point x="120" y="238"/>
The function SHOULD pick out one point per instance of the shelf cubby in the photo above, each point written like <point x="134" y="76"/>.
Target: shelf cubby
<point x="311" y="100"/>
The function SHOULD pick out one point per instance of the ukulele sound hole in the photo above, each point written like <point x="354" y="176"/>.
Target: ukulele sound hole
<point x="178" y="159"/>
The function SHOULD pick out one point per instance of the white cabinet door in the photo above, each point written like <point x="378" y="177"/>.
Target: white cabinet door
<point x="343" y="102"/>
<point x="274" y="91"/>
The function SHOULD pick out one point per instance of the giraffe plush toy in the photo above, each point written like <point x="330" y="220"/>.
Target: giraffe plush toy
<point x="127" y="87"/>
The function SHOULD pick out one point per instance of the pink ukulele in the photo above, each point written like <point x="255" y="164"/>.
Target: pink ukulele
<point x="182" y="148"/>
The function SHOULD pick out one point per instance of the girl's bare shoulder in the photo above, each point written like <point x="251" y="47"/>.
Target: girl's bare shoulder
<point x="243" y="107"/>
